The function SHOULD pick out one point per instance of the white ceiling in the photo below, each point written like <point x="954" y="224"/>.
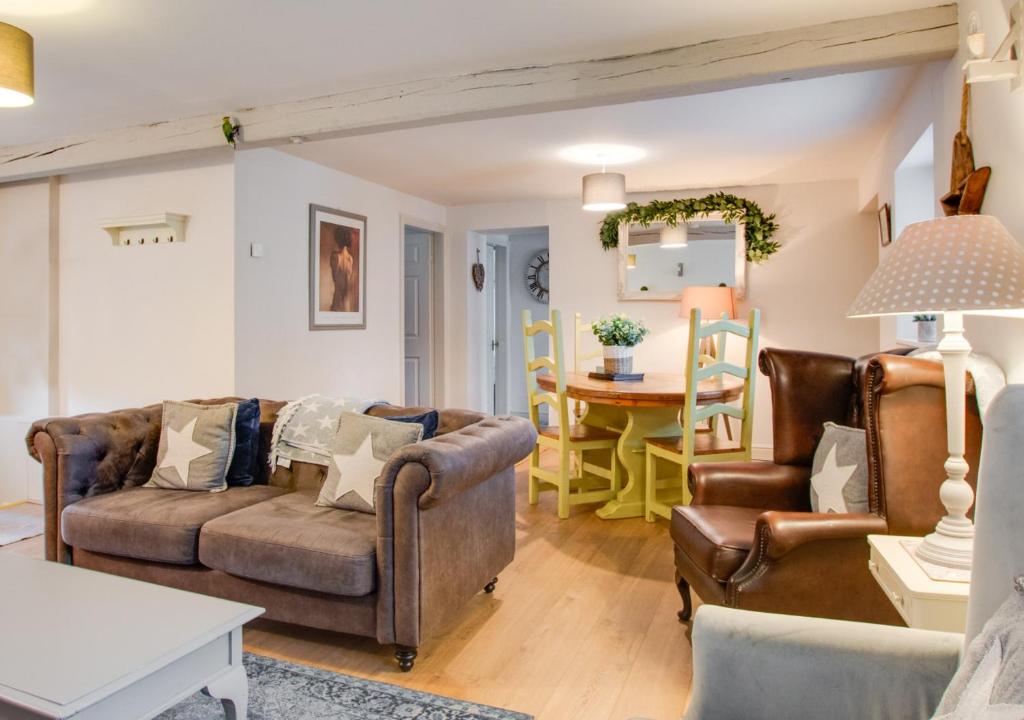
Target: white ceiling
<point x="104" y="64"/>
<point x="791" y="132"/>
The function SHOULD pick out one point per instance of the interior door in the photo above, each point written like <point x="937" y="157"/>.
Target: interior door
<point x="417" y="317"/>
<point x="491" y="291"/>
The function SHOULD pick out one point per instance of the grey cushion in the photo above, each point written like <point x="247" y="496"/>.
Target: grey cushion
<point x="197" y="443"/>
<point x="359" y="450"/>
<point x="152" y="523"/>
<point x="839" y="476"/>
<point x="290" y="541"/>
<point x="990" y="680"/>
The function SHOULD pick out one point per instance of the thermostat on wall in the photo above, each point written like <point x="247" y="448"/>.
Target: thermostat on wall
<point x="161" y="228"/>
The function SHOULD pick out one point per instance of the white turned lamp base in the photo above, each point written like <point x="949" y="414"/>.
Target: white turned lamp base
<point x="952" y="543"/>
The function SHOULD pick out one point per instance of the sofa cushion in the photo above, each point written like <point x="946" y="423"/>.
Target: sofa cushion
<point x="290" y="541"/>
<point x="717" y="538"/>
<point x="152" y="523"/>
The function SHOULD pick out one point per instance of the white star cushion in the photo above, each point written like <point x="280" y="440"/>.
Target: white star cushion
<point x="839" y="476"/>
<point x="359" y="450"/>
<point x="196" y="446"/>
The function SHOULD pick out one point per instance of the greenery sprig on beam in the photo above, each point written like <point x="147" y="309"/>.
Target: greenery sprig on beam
<point x="759" y="227"/>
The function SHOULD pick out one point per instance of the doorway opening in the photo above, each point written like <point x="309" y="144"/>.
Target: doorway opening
<point x="517" y="278"/>
<point x="422" y="310"/>
<point x="914" y="201"/>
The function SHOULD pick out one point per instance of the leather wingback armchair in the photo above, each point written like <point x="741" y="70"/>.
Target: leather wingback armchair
<point x="749" y="539"/>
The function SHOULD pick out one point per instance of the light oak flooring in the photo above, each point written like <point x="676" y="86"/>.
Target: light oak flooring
<point x="582" y="625"/>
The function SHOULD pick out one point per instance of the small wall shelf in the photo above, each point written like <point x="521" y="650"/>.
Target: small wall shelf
<point x="146" y="229"/>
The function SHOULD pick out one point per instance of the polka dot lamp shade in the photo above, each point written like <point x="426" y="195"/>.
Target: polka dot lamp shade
<point x="967" y="263"/>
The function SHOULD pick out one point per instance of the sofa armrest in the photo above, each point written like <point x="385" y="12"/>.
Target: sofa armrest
<point x="782" y="532"/>
<point x="763" y="666"/>
<point x="445" y="524"/>
<point x="458" y="460"/>
<point x="755" y="484"/>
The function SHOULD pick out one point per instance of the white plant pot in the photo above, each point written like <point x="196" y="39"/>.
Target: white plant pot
<point x="618" y="359"/>
<point x="927" y="331"/>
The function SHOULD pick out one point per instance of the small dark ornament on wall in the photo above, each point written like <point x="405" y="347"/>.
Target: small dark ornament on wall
<point x="478" y="273"/>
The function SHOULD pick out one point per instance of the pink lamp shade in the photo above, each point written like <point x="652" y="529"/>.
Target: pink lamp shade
<point x="712" y="301"/>
<point x="963" y="263"/>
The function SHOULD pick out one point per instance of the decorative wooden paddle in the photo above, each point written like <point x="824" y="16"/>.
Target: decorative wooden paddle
<point x="966" y="185"/>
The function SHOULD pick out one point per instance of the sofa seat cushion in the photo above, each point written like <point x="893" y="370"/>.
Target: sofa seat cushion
<point x="290" y="541"/>
<point x="153" y="524"/>
<point x="717" y="538"/>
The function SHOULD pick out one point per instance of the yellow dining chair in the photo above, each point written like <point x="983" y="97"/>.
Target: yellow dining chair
<point x="581" y="356"/>
<point x="594" y="484"/>
<point x="696" y="443"/>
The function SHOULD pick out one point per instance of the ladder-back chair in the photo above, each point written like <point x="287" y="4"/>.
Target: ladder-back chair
<point x="696" y="443"/>
<point x="596" y="483"/>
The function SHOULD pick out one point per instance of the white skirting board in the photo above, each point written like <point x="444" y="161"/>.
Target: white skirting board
<point x="21" y="477"/>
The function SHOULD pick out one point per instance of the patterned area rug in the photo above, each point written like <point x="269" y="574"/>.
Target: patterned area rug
<point x="280" y="690"/>
<point x="20" y="522"/>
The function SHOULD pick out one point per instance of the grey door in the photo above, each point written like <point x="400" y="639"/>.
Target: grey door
<point x="417" y="317"/>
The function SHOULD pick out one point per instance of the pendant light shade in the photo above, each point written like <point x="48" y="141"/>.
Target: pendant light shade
<point x="672" y="237"/>
<point x="604" y="191"/>
<point x="17" y="76"/>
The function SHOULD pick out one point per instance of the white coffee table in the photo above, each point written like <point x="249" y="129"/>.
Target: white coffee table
<point x="79" y="643"/>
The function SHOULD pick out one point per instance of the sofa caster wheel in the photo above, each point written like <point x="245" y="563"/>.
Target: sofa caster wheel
<point x="489" y="587"/>
<point x="406" y="657"/>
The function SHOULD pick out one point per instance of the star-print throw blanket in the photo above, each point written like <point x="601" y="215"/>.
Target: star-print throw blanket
<point x="304" y="428"/>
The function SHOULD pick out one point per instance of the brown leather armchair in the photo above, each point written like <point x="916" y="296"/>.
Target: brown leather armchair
<point x="749" y="539"/>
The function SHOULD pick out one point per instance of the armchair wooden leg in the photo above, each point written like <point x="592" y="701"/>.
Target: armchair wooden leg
<point x="405" y="656"/>
<point x="489" y="587"/>
<point x="684" y="593"/>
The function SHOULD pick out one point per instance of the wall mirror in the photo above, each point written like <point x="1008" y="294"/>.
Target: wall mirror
<point x="657" y="262"/>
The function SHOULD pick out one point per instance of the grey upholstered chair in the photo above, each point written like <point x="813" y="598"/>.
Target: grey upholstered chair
<point x="763" y="666"/>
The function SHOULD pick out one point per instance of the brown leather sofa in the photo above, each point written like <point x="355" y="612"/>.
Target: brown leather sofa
<point x="444" y="528"/>
<point x="749" y="540"/>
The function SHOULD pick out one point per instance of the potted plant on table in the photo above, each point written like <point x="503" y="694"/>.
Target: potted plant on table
<point x="926" y="328"/>
<point x="619" y="334"/>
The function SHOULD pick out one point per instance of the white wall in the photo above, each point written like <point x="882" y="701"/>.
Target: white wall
<point x="829" y="250"/>
<point x="277" y="356"/>
<point x="997" y="119"/>
<point x="24" y="298"/>
<point x="143" y="323"/>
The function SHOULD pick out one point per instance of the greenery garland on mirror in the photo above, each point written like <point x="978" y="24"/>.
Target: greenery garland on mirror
<point x="759" y="227"/>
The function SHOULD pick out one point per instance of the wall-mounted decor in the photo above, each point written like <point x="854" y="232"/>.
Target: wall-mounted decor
<point x="659" y="261"/>
<point x="337" y="269"/>
<point x="967" y="185"/>
<point x="758" y="227"/>
<point x="538" y="276"/>
<point x="478" y="273"/>
<point x="885" y="225"/>
<point x="1007" y="62"/>
<point x="146" y="229"/>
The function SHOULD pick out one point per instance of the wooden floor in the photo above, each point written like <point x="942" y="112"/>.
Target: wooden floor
<point x="582" y="625"/>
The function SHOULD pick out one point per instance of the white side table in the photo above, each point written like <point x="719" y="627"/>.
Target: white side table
<point x="922" y="602"/>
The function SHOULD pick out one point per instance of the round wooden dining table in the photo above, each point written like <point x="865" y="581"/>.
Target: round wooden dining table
<point x="637" y="410"/>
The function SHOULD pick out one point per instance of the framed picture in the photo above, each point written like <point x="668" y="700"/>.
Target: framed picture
<point x="337" y="269"/>
<point x="885" y="224"/>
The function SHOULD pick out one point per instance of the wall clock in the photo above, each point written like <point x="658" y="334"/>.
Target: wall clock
<point x="538" y="276"/>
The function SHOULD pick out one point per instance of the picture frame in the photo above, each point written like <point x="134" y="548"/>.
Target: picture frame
<point x="885" y="225"/>
<point x="337" y="269"/>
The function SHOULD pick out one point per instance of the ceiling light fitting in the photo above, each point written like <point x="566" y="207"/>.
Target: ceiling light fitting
<point x="604" y="191"/>
<point x="17" y="74"/>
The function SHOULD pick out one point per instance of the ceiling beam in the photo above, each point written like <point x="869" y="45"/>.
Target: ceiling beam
<point x="843" y="46"/>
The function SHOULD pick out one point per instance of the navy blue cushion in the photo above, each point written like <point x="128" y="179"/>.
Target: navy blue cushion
<point x="428" y="420"/>
<point x="247" y="443"/>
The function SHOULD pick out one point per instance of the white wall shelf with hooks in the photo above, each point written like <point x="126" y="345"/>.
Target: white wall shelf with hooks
<point x="156" y="229"/>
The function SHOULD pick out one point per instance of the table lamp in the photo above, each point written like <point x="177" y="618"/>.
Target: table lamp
<point x="715" y="302"/>
<point x="964" y="264"/>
